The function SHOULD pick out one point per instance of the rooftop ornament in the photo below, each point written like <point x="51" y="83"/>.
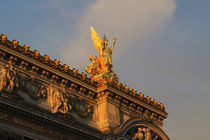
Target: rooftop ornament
<point x="66" y="68"/>
<point x="3" y="38"/>
<point x="56" y="63"/>
<point x="100" y="67"/>
<point x="36" y="54"/>
<point x="46" y="58"/>
<point x="26" y="48"/>
<point x="15" y="43"/>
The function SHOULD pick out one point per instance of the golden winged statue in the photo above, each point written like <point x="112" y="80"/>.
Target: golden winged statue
<point x="101" y="66"/>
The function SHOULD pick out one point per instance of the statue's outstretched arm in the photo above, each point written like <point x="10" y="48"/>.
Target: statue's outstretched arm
<point x="112" y="47"/>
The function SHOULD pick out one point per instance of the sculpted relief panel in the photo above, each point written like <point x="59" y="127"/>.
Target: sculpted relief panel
<point x="33" y="88"/>
<point x="61" y="102"/>
<point x="8" y="79"/>
<point x="11" y="82"/>
<point x="55" y="98"/>
<point x="142" y="133"/>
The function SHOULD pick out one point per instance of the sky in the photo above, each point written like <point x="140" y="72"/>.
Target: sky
<point x="162" y="48"/>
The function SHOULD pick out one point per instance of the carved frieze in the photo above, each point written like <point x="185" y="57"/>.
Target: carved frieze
<point x="61" y="102"/>
<point x="33" y="88"/>
<point x="83" y="109"/>
<point x="142" y="133"/>
<point x="8" y="79"/>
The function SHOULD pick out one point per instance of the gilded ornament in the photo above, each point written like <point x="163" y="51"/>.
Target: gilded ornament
<point x="65" y="67"/>
<point x="46" y="58"/>
<point x="101" y="67"/>
<point x="75" y="71"/>
<point x="36" y="54"/>
<point x="119" y="85"/>
<point x="154" y="102"/>
<point x="3" y="38"/>
<point x="84" y="76"/>
<point x="148" y="99"/>
<point x="110" y="81"/>
<point x="141" y="95"/>
<point x="133" y="92"/>
<point x="162" y="106"/>
<point x="15" y="43"/>
<point x="26" y="48"/>
<point x="56" y="63"/>
<point x="126" y="88"/>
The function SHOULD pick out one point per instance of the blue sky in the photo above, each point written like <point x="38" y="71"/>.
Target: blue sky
<point x="162" y="47"/>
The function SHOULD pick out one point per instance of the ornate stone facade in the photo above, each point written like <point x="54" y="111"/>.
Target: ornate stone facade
<point x="42" y="99"/>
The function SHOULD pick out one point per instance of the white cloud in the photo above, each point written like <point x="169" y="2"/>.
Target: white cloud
<point x="132" y="21"/>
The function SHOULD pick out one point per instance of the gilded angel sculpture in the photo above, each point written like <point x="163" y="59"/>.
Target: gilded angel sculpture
<point x="101" y="66"/>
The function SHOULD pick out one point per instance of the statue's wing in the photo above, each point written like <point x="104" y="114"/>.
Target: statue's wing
<point x="96" y="40"/>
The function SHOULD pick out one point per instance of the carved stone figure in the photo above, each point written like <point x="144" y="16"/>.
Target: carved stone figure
<point x="148" y="134"/>
<point x="146" y="115"/>
<point x="60" y="103"/>
<point x="101" y="66"/>
<point x="8" y="78"/>
<point x="142" y="133"/>
<point x="156" y="137"/>
<point x="82" y="108"/>
<point x="93" y="68"/>
<point x="3" y="38"/>
<point x="139" y="135"/>
<point x="89" y="111"/>
<point x="3" y="78"/>
<point x="42" y="92"/>
<point x="26" y="48"/>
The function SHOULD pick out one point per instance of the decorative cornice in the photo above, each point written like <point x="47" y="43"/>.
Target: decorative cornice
<point x="23" y="57"/>
<point x="134" y="103"/>
<point x="42" y="66"/>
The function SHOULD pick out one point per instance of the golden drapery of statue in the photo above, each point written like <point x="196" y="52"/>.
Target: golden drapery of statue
<point x="100" y="67"/>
